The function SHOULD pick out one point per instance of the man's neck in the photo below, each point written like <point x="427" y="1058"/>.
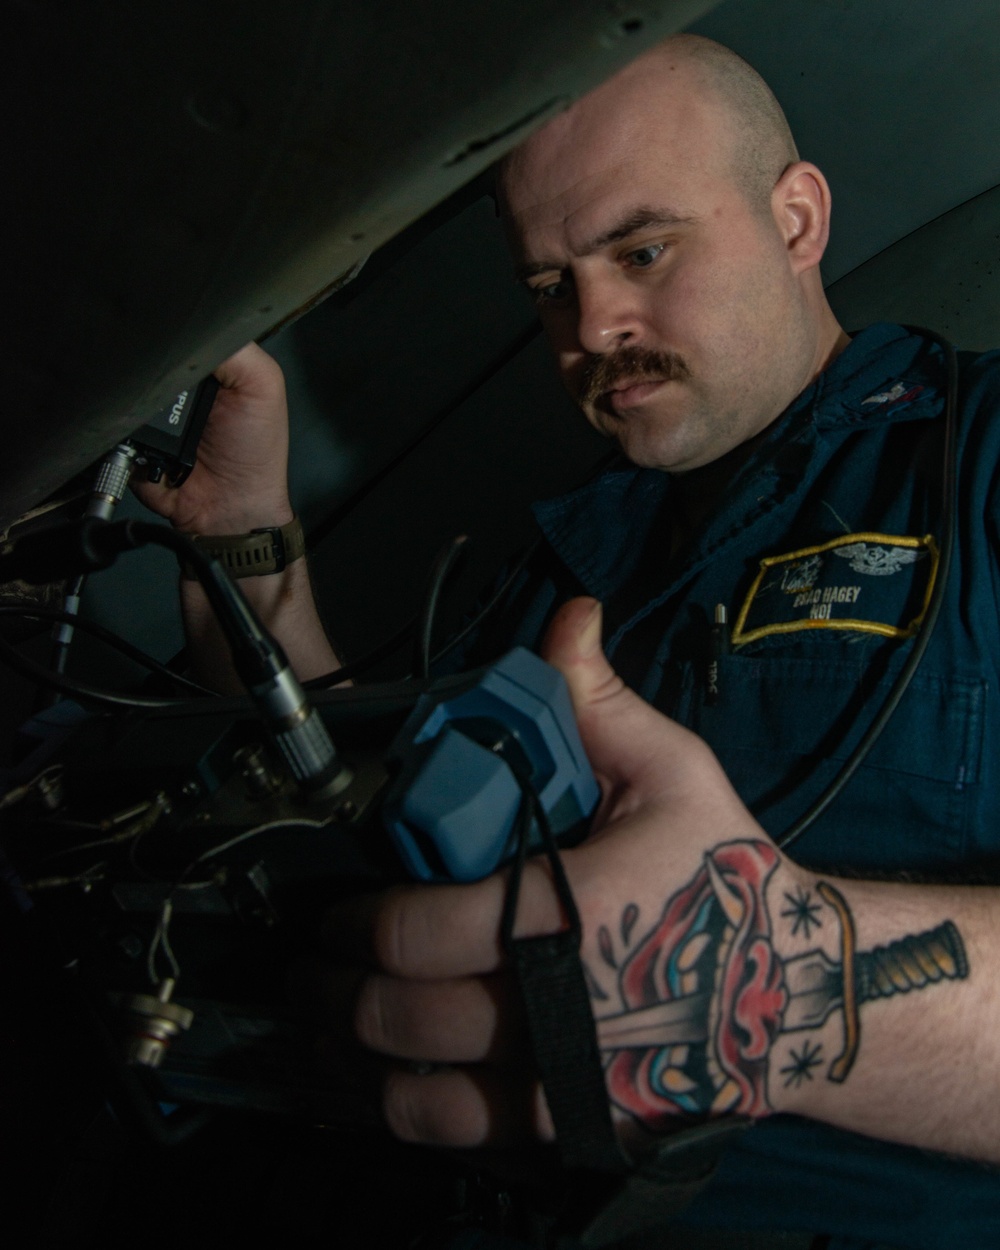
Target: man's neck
<point x="696" y="494"/>
<point x="840" y="341"/>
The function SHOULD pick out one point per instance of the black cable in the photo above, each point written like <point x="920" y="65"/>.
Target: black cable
<point x="109" y="638"/>
<point x="355" y="669"/>
<point x="494" y="602"/>
<point x="98" y="543"/>
<point x="78" y="689"/>
<point x="348" y="672"/>
<point x="899" y="687"/>
<point x="114" y="701"/>
<point x="443" y="564"/>
<point x="501" y="593"/>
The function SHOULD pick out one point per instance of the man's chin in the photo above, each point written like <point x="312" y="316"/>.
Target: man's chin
<point x="646" y="447"/>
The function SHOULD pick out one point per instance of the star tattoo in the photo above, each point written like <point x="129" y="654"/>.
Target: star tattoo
<point x="800" y="1069"/>
<point x="803" y="911"/>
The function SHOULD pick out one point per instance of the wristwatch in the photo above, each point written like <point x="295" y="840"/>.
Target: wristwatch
<point x="269" y="549"/>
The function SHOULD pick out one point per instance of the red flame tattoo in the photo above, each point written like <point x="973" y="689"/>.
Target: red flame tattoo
<point x="726" y="901"/>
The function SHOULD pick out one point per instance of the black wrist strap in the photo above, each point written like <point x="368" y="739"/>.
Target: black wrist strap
<point x="560" y="1020"/>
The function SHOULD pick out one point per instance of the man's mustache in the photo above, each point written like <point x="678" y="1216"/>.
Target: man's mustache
<point x="631" y="364"/>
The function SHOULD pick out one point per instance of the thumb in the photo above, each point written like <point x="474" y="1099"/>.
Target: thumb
<point x="572" y="644"/>
<point x="626" y="740"/>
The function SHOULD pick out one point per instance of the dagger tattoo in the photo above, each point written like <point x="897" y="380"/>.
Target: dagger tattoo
<point x="815" y="987"/>
<point x="705" y="994"/>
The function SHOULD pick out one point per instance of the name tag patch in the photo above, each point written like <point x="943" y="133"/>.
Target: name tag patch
<point x="872" y="583"/>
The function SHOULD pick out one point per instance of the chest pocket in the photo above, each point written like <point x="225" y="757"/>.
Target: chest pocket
<point x="788" y="714"/>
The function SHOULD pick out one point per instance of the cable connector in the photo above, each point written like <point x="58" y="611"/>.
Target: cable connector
<point x="111" y="482"/>
<point x="154" y="1023"/>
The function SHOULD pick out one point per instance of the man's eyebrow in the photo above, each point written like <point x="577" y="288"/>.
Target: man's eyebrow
<point x="639" y="219"/>
<point x="636" y="220"/>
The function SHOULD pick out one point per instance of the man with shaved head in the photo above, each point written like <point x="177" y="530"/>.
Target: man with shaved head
<point x="768" y="552"/>
<point x="670" y="238"/>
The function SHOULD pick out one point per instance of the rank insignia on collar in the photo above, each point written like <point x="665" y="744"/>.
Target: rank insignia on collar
<point x="894" y="395"/>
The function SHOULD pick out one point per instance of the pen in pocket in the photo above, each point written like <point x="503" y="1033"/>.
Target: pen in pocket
<point x="719" y="645"/>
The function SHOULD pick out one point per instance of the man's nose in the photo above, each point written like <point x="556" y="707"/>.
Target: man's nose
<point x="608" y="315"/>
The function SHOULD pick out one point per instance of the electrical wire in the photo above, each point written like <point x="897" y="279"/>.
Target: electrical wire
<point x="144" y="821"/>
<point x="442" y="567"/>
<point x="90" y="876"/>
<point x="397" y="640"/>
<point x="100" y="826"/>
<point x="80" y="690"/>
<point x="115" y="701"/>
<point x="161" y="935"/>
<point x="19" y="793"/>
<point x="117" y="538"/>
<point x="160" y="939"/>
<point x="905" y="675"/>
<point x="109" y="638"/>
<point x="64" y="637"/>
<point x="247" y="834"/>
<point x="348" y="672"/>
<point x="503" y="590"/>
<point x="499" y="595"/>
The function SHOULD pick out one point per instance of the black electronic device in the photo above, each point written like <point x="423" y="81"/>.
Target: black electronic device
<point x="168" y="442"/>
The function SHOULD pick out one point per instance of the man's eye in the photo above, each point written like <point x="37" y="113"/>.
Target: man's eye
<point x="552" y="293"/>
<point x="643" y="257"/>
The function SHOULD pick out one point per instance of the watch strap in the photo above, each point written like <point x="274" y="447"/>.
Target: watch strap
<point x="269" y="549"/>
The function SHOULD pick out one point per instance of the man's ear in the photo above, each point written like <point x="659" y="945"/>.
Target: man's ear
<point x="801" y="204"/>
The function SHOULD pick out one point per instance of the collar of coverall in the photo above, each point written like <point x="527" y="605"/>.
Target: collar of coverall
<point x="882" y="376"/>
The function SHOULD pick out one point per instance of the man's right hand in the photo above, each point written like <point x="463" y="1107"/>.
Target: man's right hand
<point x="240" y="478"/>
<point x="240" y="483"/>
<point x="724" y="978"/>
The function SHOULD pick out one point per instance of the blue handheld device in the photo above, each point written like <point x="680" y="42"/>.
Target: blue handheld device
<point x="463" y="764"/>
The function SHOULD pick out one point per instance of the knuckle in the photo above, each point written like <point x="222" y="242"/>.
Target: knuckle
<point x="391" y="931"/>
<point x="370" y="1026"/>
<point x="402" y="1108"/>
<point x="443" y="1109"/>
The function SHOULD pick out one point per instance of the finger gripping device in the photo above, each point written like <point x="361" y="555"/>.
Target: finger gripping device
<point x="496" y="773"/>
<point x="464" y="762"/>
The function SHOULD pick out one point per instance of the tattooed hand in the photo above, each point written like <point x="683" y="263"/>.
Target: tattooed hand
<point x="723" y="978"/>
